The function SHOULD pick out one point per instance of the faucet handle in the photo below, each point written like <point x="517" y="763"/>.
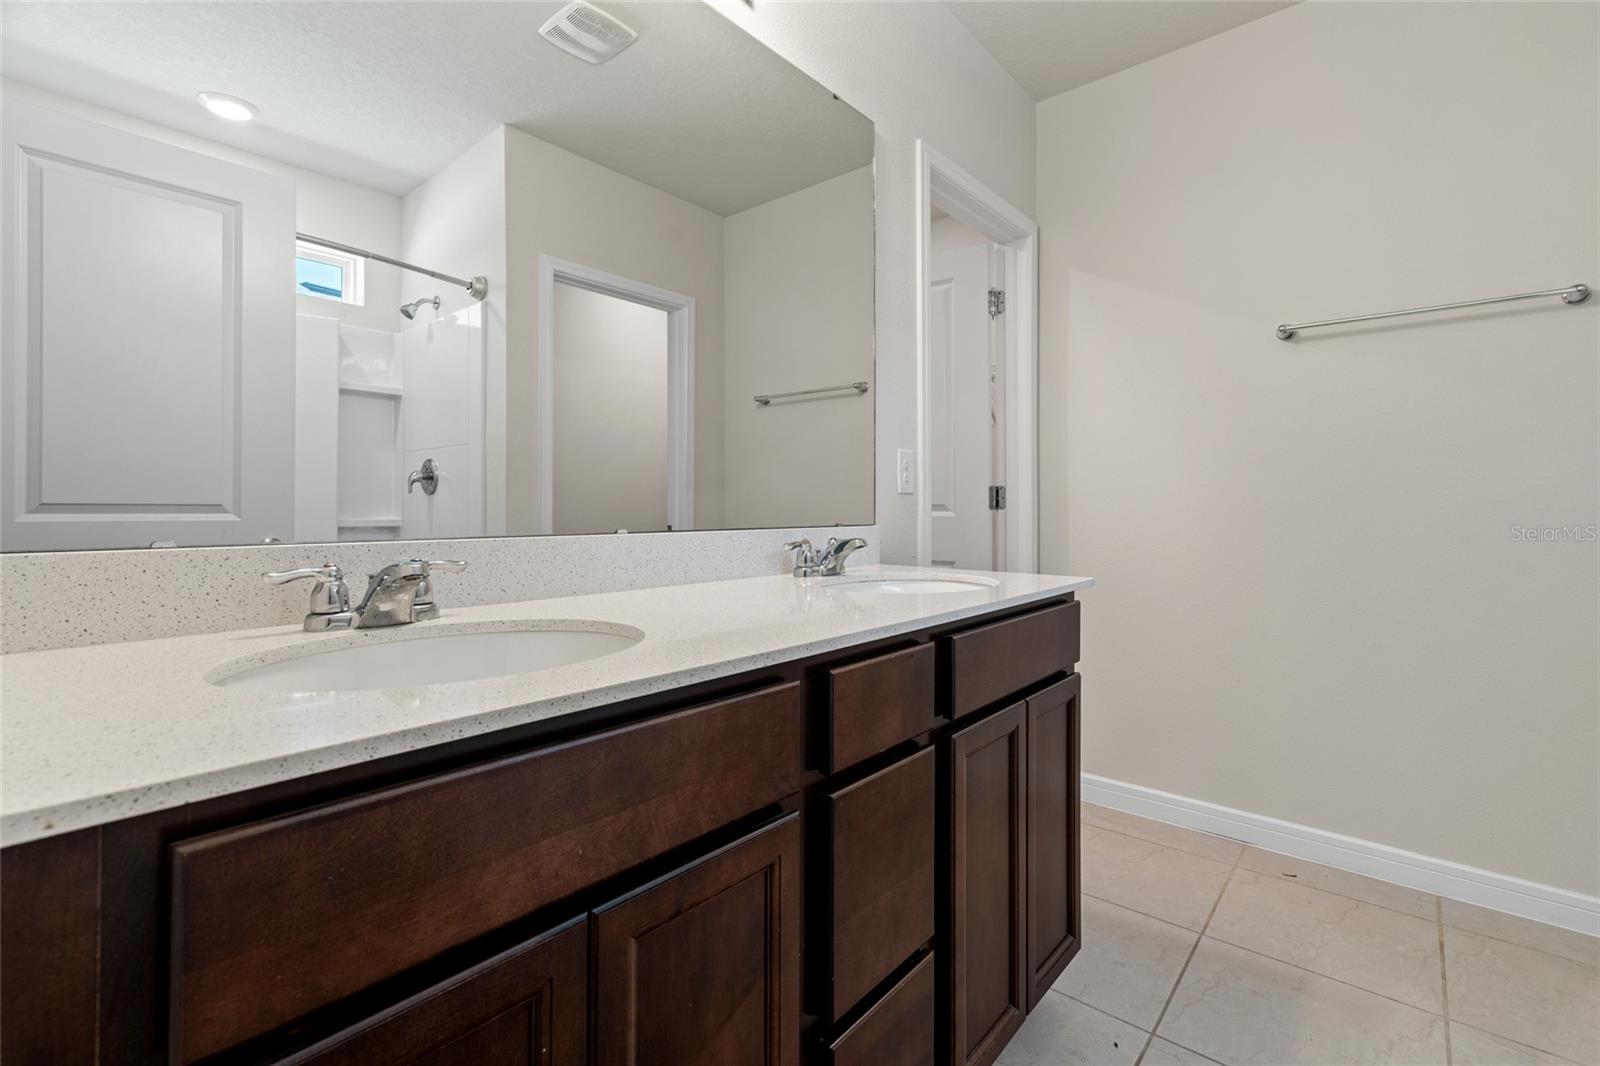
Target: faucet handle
<point x="327" y="572"/>
<point x="329" y="594"/>
<point x="805" y="556"/>
<point x="422" y="605"/>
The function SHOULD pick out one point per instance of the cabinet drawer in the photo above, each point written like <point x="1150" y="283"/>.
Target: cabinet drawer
<point x="527" y="1005"/>
<point x="877" y="703"/>
<point x="991" y="662"/>
<point x="275" y="919"/>
<point x="897" y="1030"/>
<point x="882" y="876"/>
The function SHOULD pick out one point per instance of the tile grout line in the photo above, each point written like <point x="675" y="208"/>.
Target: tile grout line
<point x="1520" y="944"/>
<point x="1160" y="843"/>
<point x="1296" y="881"/>
<point x="1440" y="926"/>
<point x="1173" y="991"/>
<point x="1098" y="1010"/>
<point x="1444" y="986"/>
<point x="1522" y="1044"/>
<point x="1438" y="899"/>
<point x="1101" y="1010"/>
<point x="1142" y="914"/>
<point x="1327" y="977"/>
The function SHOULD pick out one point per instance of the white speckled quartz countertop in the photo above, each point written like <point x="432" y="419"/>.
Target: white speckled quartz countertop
<point x="93" y="734"/>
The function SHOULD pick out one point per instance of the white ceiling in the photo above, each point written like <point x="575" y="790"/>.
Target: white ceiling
<point x="1051" y="46"/>
<point x="385" y="94"/>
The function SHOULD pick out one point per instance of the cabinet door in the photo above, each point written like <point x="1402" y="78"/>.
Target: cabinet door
<point x="986" y="987"/>
<point x="702" y="967"/>
<point x="1054" y="929"/>
<point x="526" y="1007"/>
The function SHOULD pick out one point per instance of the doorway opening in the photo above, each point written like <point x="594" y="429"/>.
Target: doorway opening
<point x="608" y="345"/>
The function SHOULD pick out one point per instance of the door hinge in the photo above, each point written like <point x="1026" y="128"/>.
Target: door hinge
<point x="997" y="497"/>
<point x="997" y="302"/>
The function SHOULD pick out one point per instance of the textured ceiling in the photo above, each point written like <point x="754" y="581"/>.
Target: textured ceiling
<point x="1051" y="46"/>
<point x="385" y="94"/>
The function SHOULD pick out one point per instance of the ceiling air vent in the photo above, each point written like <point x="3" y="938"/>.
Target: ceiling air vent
<point x="587" y="32"/>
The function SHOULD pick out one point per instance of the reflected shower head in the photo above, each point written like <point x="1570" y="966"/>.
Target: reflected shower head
<point x="410" y="309"/>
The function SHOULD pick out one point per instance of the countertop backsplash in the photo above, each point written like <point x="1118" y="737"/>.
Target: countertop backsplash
<point x="70" y="599"/>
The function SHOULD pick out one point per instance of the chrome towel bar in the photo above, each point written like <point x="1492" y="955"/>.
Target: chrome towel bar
<point x="766" y="398"/>
<point x="1572" y="294"/>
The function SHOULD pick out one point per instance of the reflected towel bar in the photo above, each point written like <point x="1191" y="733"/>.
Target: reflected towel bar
<point x="766" y="398"/>
<point x="477" y="288"/>
<point x="1572" y="294"/>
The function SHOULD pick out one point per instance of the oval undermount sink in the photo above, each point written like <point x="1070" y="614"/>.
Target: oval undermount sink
<point x="435" y="655"/>
<point x="920" y="586"/>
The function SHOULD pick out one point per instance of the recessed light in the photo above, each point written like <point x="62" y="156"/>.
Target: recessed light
<point x="229" y="107"/>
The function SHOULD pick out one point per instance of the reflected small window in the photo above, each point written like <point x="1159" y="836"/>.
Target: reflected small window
<point x="326" y="274"/>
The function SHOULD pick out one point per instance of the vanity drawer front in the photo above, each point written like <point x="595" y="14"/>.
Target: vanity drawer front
<point x="992" y="662"/>
<point x="879" y="702"/>
<point x="897" y="1030"/>
<point x="882" y="876"/>
<point x="275" y="919"/>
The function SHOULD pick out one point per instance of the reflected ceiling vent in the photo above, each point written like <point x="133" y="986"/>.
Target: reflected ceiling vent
<point x="587" y="32"/>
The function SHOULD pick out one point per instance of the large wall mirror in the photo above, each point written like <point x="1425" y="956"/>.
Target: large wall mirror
<point x="327" y="271"/>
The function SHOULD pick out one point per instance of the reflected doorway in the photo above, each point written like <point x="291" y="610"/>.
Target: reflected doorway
<point x="615" y="407"/>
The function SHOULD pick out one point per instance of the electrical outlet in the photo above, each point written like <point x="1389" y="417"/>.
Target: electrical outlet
<point x="904" y="472"/>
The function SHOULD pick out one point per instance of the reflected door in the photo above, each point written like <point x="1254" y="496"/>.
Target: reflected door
<point x="148" y="359"/>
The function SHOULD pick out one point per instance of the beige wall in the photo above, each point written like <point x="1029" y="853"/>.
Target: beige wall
<point x="798" y="293"/>
<point x="1311" y="601"/>
<point x="562" y="205"/>
<point x="610" y="433"/>
<point x="915" y="71"/>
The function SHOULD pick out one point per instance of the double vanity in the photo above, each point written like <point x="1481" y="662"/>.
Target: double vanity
<point x="766" y="820"/>
<point x="595" y="325"/>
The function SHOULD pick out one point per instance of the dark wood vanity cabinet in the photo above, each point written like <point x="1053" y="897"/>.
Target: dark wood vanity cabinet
<point x="868" y="857"/>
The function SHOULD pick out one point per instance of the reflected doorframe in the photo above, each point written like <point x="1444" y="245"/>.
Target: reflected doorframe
<point x="680" y="382"/>
<point x="941" y="183"/>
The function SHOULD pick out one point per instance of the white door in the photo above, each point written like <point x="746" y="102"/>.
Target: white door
<point x="965" y="412"/>
<point x="149" y="346"/>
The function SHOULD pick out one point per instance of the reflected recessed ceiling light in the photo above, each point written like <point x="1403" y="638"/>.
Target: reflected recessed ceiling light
<point x="229" y="107"/>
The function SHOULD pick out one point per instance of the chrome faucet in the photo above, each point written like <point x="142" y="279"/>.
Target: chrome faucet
<point x="399" y="594"/>
<point x="826" y="562"/>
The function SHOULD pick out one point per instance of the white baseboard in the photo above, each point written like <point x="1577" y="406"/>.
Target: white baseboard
<point x="1501" y="892"/>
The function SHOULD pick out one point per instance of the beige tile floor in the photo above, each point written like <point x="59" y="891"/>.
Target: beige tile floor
<point x="1202" y="950"/>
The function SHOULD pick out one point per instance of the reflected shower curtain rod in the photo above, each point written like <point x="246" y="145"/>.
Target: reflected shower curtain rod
<point x="477" y="288"/>
<point x="1572" y="294"/>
